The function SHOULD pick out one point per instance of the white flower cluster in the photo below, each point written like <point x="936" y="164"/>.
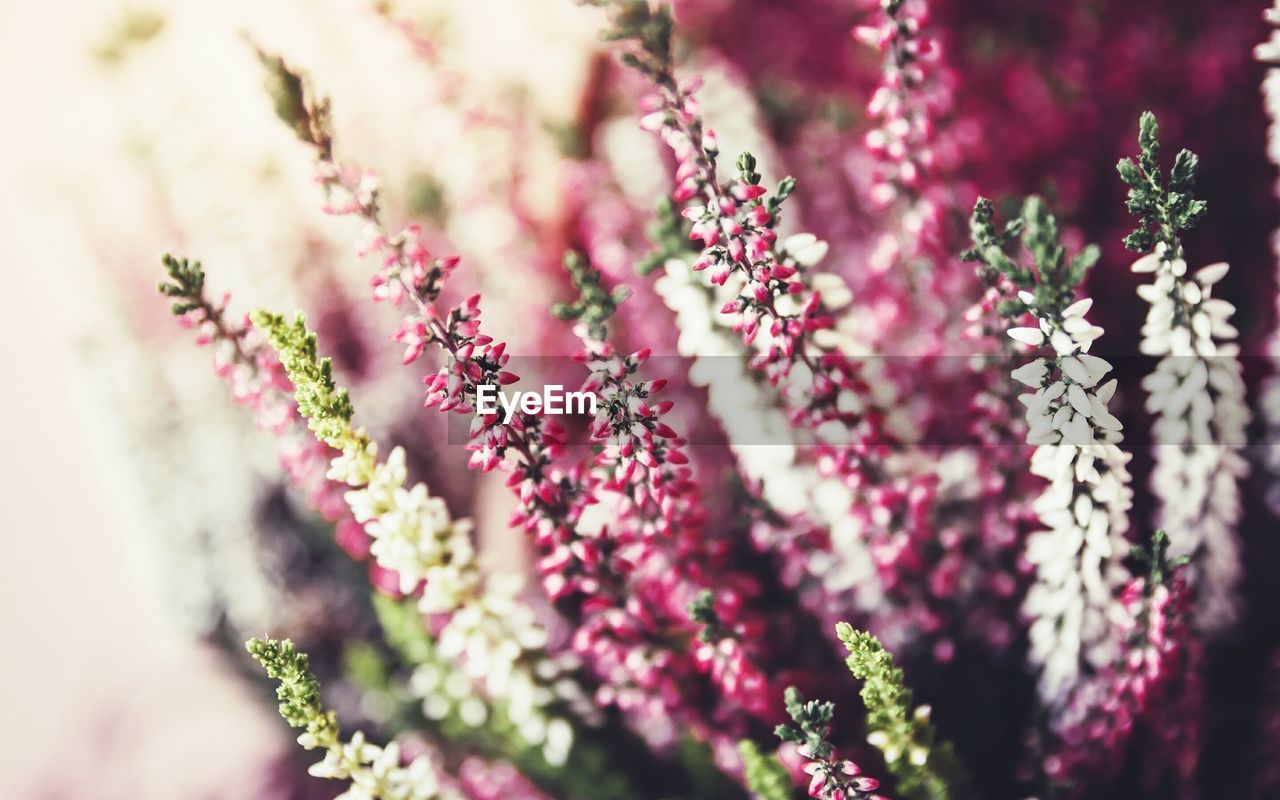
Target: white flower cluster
<point x="1196" y="393"/>
<point x="1269" y="53"/>
<point x="495" y="639"/>
<point x="499" y="644"/>
<point x="488" y="643"/>
<point x="413" y="534"/>
<point x="376" y="772"/>
<point x="1073" y="603"/>
<point x="762" y="439"/>
<point x="759" y="433"/>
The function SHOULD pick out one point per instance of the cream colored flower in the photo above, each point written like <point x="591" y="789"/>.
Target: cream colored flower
<point x="1196" y="394"/>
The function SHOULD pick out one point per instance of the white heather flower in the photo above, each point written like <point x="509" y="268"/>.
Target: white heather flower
<point x="1269" y="53"/>
<point x="761" y="438"/>
<point x="413" y="534"/>
<point x="1196" y="394"/>
<point x="497" y="644"/>
<point x="376" y="773"/>
<point x="355" y="465"/>
<point x="1084" y="508"/>
<point x="495" y="640"/>
<point x="1028" y="336"/>
<point x="805" y="248"/>
<point x="836" y="294"/>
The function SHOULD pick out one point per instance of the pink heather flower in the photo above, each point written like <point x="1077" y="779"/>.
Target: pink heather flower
<point x="481" y="780"/>
<point x="1001" y="515"/>
<point x="932" y="547"/>
<point x="258" y="382"/>
<point x="413" y="335"/>
<point x="735" y="229"/>
<point x="831" y="779"/>
<point x="622" y="644"/>
<point x="1154" y="681"/>
<point x="661" y="515"/>
<point x="800" y="354"/>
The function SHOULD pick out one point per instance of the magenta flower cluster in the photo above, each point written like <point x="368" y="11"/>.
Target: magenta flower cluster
<point x="864" y="395"/>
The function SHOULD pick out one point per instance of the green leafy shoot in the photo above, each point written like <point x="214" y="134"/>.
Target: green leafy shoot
<point x="669" y="234"/>
<point x="595" y="304"/>
<point x="374" y="772"/>
<point x="1161" y="572"/>
<point x="297" y="104"/>
<point x="1155" y="561"/>
<point x="926" y="769"/>
<point x="1052" y="279"/>
<point x="812" y="723"/>
<point x="647" y="30"/>
<point x="298" y="692"/>
<point x="747" y="174"/>
<point x="326" y="408"/>
<point x="1164" y="208"/>
<point x="185" y="284"/>
<point x="702" y="610"/>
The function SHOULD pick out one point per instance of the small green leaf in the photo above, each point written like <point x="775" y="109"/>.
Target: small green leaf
<point x="1149" y="143"/>
<point x="1129" y="172"/>
<point x="1183" y="176"/>
<point x="1083" y="262"/>
<point x="595" y="304"/>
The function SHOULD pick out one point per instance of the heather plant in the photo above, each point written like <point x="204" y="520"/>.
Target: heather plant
<point x="1084" y="508"/>
<point x="375" y="773"/>
<point x="903" y="734"/>
<point x="1196" y="391"/>
<point x="913" y="466"/>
